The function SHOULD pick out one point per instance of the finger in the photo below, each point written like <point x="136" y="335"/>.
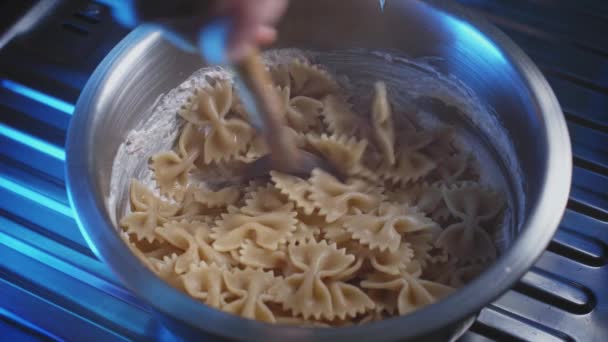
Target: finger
<point x="249" y="17"/>
<point x="260" y="11"/>
<point x="265" y="35"/>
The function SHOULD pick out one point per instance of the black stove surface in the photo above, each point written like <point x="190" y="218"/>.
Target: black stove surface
<point x="53" y="287"/>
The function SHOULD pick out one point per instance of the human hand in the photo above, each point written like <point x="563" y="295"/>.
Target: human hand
<point x="253" y="23"/>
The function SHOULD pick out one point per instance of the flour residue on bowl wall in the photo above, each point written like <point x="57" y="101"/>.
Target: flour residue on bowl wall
<point x="410" y="85"/>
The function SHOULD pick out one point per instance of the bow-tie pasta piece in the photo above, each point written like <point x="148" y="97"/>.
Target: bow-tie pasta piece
<point x="165" y="269"/>
<point x="250" y="291"/>
<point x="257" y="257"/>
<point x="296" y="189"/>
<point x="266" y="199"/>
<point x="460" y="276"/>
<point x="393" y="263"/>
<point x="454" y="168"/>
<point x="192" y="209"/>
<point x="226" y="139"/>
<point x="312" y="290"/>
<point x="383" y="228"/>
<point x="178" y="236"/>
<point x="383" y="289"/>
<point x="304" y="233"/>
<point x="191" y="141"/>
<point x="334" y="199"/>
<point x="268" y="230"/>
<point x="383" y="123"/>
<point x="309" y="80"/>
<point x="215" y="199"/>
<point x="442" y="145"/>
<point x="422" y="244"/>
<point x="348" y="301"/>
<point x="467" y="242"/>
<point x="210" y="104"/>
<point x="344" y="153"/>
<point x="258" y="147"/>
<point x="155" y="213"/>
<point x="142" y="199"/>
<point x="417" y="293"/>
<point x="206" y="283"/>
<point x="136" y="251"/>
<point x="341" y="120"/>
<point x="473" y="201"/>
<point x="415" y="140"/>
<point x="301" y="112"/>
<point x="171" y="170"/>
<point x="336" y="232"/>
<point x="408" y="292"/>
<point x="280" y="75"/>
<point x="426" y="198"/>
<point x="193" y="238"/>
<point x="410" y="166"/>
<point x="207" y="253"/>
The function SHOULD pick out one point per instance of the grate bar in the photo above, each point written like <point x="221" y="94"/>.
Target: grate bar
<point x="516" y="328"/>
<point x="590" y="189"/>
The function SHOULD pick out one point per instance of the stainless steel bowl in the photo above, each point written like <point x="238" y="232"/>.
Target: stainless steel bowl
<point x="143" y="66"/>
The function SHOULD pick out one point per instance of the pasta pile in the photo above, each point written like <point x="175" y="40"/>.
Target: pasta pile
<point x="409" y="224"/>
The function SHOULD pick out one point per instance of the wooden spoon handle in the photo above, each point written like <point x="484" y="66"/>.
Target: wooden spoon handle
<point x="266" y="111"/>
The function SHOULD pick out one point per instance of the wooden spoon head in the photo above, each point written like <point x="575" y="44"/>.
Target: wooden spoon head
<point x="306" y="162"/>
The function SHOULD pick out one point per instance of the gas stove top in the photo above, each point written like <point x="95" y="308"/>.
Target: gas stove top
<point x="53" y="287"/>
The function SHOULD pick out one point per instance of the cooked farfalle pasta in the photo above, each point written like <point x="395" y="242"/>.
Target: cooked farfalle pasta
<point x="383" y="123"/>
<point x="171" y="170"/>
<point x="470" y="200"/>
<point x="301" y="112"/>
<point x="206" y="283"/>
<point x="298" y="190"/>
<point x="268" y="230"/>
<point x="467" y="241"/>
<point x="248" y="292"/>
<point x="266" y="199"/>
<point x="345" y="153"/>
<point x="404" y="222"/>
<point x="254" y="256"/>
<point x="190" y="141"/>
<point x="226" y="136"/>
<point x="474" y="205"/>
<point x="318" y="289"/>
<point x="340" y="118"/>
<point x="409" y="166"/>
<point x="310" y="80"/>
<point x="334" y="199"/>
<point x="383" y="228"/>
<point x="454" y="168"/>
<point x="148" y="213"/>
<point x="220" y="198"/>
<point x="305" y="232"/>
<point x="409" y="292"/>
<point x="280" y="75"/>
<point x="165" y="269"/>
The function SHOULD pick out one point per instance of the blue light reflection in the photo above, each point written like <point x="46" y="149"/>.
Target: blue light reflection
<point x="12" y="317"/>
<point x="33" y="142"/>
<point x="38" y="96"/>
<point x="35" y="197"/>
<point x="468" y="38"/>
